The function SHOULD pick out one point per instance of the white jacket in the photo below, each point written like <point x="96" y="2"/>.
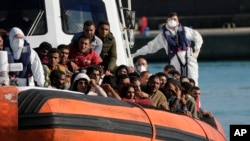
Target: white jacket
<point x="160" y="42"/>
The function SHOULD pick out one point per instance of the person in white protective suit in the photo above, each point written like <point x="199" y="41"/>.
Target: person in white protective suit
<point x="176" y="40"/>
<point x="19" y="51"/>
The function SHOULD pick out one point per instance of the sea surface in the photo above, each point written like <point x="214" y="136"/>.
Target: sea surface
<point x="225" y="90"/>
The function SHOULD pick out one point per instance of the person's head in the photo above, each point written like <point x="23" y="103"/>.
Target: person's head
<point x="184" y="79"/>
<point x="192" y="82"/>
<point x="16" y="39"/>
<point x="104" y="66"/>
<point x="174" y="74"/>
<point x="111" y="80"/>
<point x="168" y="68"/>
<point x="172" y="20"/>
<point x="163" y="78"/>
<point x="122" y="69"/>
<point x="43" y="51"/>
<point x="123" y="79"/>
<point x="57" y="79"/>
<point x="64" y="52"/>
<point x="153" y="83"/>
<point x="83" y="43"/>
<point x="80" y="82"/>
<point x="89" y="28"/>
<point x="195" y="93"/>
<point x="186" y="87"/>
<point x="141" y="65"/>
<point x="3" y="36"/>
<point x="144" y="76"/>
<point x="44" y="48"/>
<point x="94" y="71"/>
<point x="128" y="91"/>
<point x="103" y="29"/>
<point x="172" y="87"/>
<point x="54" y="57"/>
<point x="136" y="82"/>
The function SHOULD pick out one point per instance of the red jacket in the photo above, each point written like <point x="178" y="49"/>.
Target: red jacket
<point x="84" y="60"/>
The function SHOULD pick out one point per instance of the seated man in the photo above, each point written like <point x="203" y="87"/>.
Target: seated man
<point x="65" y="61"/>
<point x="82" y="54"/>
<point x="89" y="29"/>
<point x="57" y="79"/>
<point x="42" y="52"/>
<point x="54" y="57"/>
<point x="108" y="54"/>
<point x="155" y="95"/>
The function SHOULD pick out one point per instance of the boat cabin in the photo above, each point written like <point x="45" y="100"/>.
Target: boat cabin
<point x="56" y="21"/>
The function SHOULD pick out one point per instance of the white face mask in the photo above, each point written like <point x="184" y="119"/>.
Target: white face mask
<point x="172" y="23"/>
<point x="17" y="46"/>
<point x="141" y="68"/>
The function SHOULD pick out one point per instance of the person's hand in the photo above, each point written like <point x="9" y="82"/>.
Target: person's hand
<point x="106" y="87"/>
<point x="141" y="94"/>
<point x="92" y="82"/>
<point x="195" y="54"/>
<point x="133" y="55"/>
<point x="131" y="69"/>
<point x="187" y="113"/>
<point x="108" y="72"/>
<point x="207" y="114"/>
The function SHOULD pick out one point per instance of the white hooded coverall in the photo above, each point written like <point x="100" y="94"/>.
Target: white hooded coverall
<point x="160" y="42"/>
<point x="36" y="65"/>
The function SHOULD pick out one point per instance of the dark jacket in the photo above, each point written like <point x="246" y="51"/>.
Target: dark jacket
<point x="108" y="53"/>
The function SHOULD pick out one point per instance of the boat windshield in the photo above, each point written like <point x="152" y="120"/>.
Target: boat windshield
<point x="29" y="15"/>
<point x="76" y="12"/>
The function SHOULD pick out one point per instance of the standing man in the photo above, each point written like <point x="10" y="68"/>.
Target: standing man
<point x="89" y="29"/>
<point x="176" y="40"/>
<point x="19" y="51"/>
<point x="108" y="54"/>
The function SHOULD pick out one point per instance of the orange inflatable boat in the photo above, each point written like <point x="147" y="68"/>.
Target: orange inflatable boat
<point x="56" y="115"/>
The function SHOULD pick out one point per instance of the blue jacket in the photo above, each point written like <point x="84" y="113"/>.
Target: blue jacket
<point x="25" y="60"/>
<point x="176" y="43"/>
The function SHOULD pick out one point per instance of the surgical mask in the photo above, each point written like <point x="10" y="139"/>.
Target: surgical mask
<point x="141" y="68"/>
<point x="172" y="23"/>
<point x="17" y="47"/>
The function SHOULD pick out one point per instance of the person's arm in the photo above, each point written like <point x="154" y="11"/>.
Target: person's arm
<point x="97" y="89"/>
<point x="113" y="56"/>
<point x="110" y="91"/>
<point x="96" y="59"/>
<point x="37" y="68"/>
<point x="152" y="46"/>
<point x="74" y="66"/>
<point x="196" y="37"/>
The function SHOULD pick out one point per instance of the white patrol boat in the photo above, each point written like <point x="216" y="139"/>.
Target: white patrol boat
<point x="56" y="21"/>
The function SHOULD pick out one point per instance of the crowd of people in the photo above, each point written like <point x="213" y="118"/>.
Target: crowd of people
<point x="88" y="65"/>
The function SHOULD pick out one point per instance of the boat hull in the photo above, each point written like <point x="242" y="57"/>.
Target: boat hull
<point x="50" y="115"/>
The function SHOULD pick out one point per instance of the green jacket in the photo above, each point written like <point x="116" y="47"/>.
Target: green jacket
<point x="109" y="54"/>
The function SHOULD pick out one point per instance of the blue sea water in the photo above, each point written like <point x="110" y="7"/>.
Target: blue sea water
<point x="225" y="90"/>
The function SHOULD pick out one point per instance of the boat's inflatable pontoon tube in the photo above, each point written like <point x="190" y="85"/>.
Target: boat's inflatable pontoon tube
<point x="49" y="115"/>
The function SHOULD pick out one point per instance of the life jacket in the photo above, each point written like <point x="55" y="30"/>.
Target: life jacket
<point x="176" y="43"/>
<point x="25" y="60"/>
